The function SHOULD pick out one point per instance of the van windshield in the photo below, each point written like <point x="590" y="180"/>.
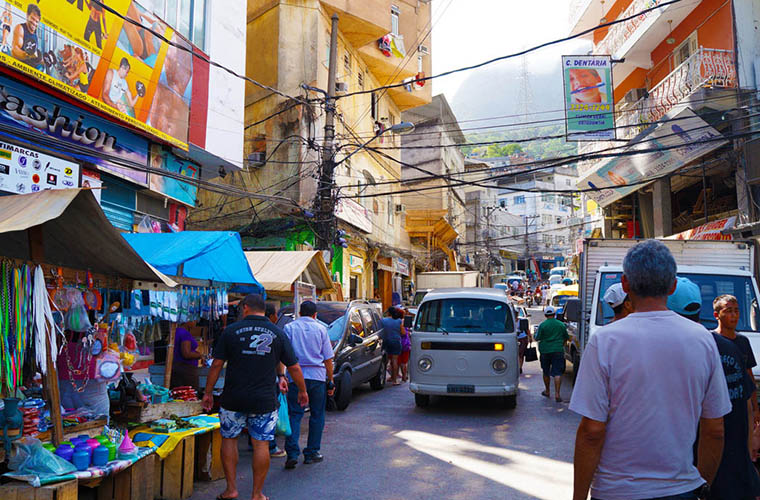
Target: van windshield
<point x="464" y="316"/>
<point x="711" y="286"/>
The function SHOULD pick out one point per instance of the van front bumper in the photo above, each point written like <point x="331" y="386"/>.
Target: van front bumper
<point x="480" y="390"/>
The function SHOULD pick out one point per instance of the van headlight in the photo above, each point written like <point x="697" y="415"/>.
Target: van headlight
<point x="498" y="365"/>
<point x="425" y="364"/>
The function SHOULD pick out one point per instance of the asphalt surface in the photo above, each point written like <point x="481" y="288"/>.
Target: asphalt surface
<point x="383" y="447"/>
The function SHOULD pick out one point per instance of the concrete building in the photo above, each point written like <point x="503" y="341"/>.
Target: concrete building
<point x="379" y="43"/>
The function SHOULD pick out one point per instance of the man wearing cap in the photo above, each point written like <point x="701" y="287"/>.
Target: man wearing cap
<point x="618" y="300"/>
<point x="551" y="337"/>
<point x="647" y="383"/>
<point x="736" y="477"/>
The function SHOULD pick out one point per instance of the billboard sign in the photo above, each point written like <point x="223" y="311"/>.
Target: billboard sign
<point x="123" y="69"/>
<point x="183" y="192"/>
<point x="589" y="103"/>
<point x="629" y="172"/>
<point x="24" y="108"/>
<point x="24" y="170"/>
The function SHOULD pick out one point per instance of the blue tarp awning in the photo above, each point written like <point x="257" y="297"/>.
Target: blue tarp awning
<point x="205" y="255"/>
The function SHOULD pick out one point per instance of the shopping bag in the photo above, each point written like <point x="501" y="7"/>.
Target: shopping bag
<point x="530" y="353"/>
<point x="283" y="418"/>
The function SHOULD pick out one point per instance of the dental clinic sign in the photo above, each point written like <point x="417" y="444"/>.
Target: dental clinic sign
<point x="589" y="103"/>
<point x="24" y="170"/>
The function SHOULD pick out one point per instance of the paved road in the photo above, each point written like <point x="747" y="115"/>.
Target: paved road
<point x="383" y="447"/>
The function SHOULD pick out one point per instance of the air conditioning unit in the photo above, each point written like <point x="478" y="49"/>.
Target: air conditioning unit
<point x="634" y="95"/>
<point x="256" y="159"/>
<point x="400" y="208"/>
<point x="341" y="87"/>
<point x="423" y="50"/>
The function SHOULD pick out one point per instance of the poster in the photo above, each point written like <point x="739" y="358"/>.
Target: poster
<point x="25" y="108"/>
<point x="589" y="103"/>
<point x="624" y="174"/>
<point x="120" y="68"/>
<point x="92" y="180"/>
<point x="24" y="170"/>
<point x="183" y="192"/>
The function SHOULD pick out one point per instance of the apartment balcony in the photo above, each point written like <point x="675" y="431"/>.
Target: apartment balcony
<point x="635" y="39"/>
<point x="408" y="99"/>
<point x="390" y="69"/>
<point x="360" y="22"/>
<point x="585" y="14"/>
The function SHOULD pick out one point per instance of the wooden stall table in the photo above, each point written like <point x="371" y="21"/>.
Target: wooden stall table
<point x="66" y="490"/>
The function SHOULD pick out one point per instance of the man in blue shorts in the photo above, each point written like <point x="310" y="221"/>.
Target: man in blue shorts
<point x="253" y="348"/>
<point x="551" y="337"/>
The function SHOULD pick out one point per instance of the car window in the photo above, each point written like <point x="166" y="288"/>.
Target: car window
<point x="355" y="321"/>
<point x="336" y="329"/>
<point x="369" y="324"/>
<point x="377" y="319"/>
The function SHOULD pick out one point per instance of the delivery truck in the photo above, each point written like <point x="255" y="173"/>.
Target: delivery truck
<point x="717" y="267"/>
<point x="447" y="279"/>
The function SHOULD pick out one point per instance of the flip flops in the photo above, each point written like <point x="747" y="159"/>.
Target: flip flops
<point x="545" y="394"/>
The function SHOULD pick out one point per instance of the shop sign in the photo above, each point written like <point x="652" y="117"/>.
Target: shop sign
<point x="589" y="103"/>
<point x="352" y="212"/>
<point x="25" y="108"/>
<point x="163" y="159"/>
<point x="24" y="170"/>
<point x="620" y="174"/>
<point x="401" y="265"/>
<point x="710" y="231"/>
<point x="104" y="59"/>
<point x="356" y="264"/>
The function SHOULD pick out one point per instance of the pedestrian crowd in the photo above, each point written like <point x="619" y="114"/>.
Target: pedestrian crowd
<point x="668" y="407"/>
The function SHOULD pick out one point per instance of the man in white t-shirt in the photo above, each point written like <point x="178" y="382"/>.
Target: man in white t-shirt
<point x="646" y="383"/>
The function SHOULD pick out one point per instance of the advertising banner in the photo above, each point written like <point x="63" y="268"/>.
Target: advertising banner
<point x="710" y="231"/>
<point x="123" y="69"/>
<point x="25" y="108"/>
<point x="589" y="103"/>
<point x="24" y="170"/>
<point x="628" y="171"/>
<point x="183" y="192"/>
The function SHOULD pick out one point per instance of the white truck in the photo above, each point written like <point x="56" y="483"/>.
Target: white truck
<point x="447" y="279"/>
<point x="718" y="267"/>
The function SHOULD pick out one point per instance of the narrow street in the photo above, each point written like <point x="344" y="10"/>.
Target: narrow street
<point x="383" y="447"/>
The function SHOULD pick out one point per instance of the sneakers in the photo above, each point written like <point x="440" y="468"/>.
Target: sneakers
<point x="277" y="453"/>
<point x="291" y="463"/>
<point x="313" y="459"/>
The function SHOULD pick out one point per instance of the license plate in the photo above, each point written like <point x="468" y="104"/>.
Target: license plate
<point x="460" y="389"/>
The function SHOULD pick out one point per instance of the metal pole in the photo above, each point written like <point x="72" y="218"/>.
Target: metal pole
<point x="489" y="211"/>
<point x="326" y="179"/>
<point x="526" y="245"/>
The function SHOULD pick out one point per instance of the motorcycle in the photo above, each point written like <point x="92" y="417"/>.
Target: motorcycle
<point x="529" y="298"/>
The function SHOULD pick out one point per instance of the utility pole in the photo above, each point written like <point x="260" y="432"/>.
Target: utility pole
<point x="527" y="244"/>
<point x="489" y="211"/>
<point x="326" y="191"/>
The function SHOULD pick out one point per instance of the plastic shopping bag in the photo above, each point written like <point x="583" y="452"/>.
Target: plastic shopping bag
<point x="283" y="418"/>
<point x="33" y="459"/>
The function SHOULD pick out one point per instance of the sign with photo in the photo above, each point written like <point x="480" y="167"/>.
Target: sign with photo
<point x="589" y="103"/>
<point x="24" y="170"/>
<point x="120" y="67"/>
<point x="163" y="159"/>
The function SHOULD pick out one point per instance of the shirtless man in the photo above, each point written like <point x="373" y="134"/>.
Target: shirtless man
<point x="586" y="85"/>
<point x="116" y="91"/>
<point x="25" y="44"/>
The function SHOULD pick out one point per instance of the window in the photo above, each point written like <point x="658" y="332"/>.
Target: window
<point x="188" y="17"/>
<point x="373" y="106"/>
<point x="546" y="220"/>
<point x="395" y="13"/>
<point x="369" y="325"/>
<point x="355" y="322"/>
<point x="687" y="48"/>
<point x="559" y="221"/>
<point x="360" y="79"/>
<point x="347" y="63"/>
<point x="547" y="197"/>
<point x="520" y="200"/>
<point x="559" y="240"/>
<point x="464" y="316"/>
<point x="390" y="211"/>
<point x="503" y="203"/>
<point x="547" y="239"/>
<point x="568" y="182"/>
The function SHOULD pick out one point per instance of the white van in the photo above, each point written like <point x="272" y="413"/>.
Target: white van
<point x="464" y="343"/>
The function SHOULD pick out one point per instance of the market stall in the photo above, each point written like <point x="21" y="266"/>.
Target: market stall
<point x="62" y="265"/>
<point x="289" y="273"/>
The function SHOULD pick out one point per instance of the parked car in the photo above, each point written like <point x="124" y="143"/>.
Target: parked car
<point x="355" y="332"/>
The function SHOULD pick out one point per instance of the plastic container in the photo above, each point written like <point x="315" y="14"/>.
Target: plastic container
<point x="93" y="443"/>
<point x="112" y="450"/>
<point x="49" y="447"/>
<point x="100" y="455"/>
<point x="86" y="448"/>
<point x="102" y="439"/>
<point x="80" y="459"/>
<point x="65" y="451"/>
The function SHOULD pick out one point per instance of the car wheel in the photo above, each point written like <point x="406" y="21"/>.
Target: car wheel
<point x="343" y="391"/>
<point x="378" y="381"/>
<point x="510" y="402"/>
<point x="422" y="400"/>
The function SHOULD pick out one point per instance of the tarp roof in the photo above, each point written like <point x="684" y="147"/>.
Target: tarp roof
<point x="75" y="234"/>
<point x="277" y="271"/>
<point x="203" y="255"/>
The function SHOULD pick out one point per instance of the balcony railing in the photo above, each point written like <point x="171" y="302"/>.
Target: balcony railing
<point x="618" y="34"/>
<point x="705" y="68"/>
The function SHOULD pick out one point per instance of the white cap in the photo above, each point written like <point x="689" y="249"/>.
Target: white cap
<point x="614" y="296"/>
<point x="549" y="311"/>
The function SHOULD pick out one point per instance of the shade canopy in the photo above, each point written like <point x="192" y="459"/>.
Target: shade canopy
<point x="277" y="271"/>
<point x="202" y="255"/>
<point x="74" y="233"/>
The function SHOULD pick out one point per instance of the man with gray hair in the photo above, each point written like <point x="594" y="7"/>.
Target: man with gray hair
<point x="640" y="411"/>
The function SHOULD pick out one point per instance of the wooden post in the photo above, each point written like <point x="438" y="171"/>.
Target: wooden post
<point x="170" y="356"/>
<point x="50" y="381"/>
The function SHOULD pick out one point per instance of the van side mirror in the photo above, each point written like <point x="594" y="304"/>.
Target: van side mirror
<point x="572" y="310"/>
<point x="524" y="325"/>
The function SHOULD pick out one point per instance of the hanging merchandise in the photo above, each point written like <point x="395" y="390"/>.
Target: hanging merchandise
<point x="45" y="328"/>
<point x="6" y="324"/>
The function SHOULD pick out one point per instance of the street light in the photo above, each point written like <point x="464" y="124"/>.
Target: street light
<point x="398" y="129"/>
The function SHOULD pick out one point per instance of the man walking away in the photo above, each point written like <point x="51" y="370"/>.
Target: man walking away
<point x="252" y="348"/>
<point x="618" y="300"/>
<point x="737" y="477"/>
<point x="312" y="346"/>
<point x="726" y="311"/>
<point x="551" y="337"/>
<point x="640" y="413"/>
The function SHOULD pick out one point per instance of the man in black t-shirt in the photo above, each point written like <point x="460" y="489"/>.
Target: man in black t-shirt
<point x="726" y="311"/>
<point x="253" y="348"/>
